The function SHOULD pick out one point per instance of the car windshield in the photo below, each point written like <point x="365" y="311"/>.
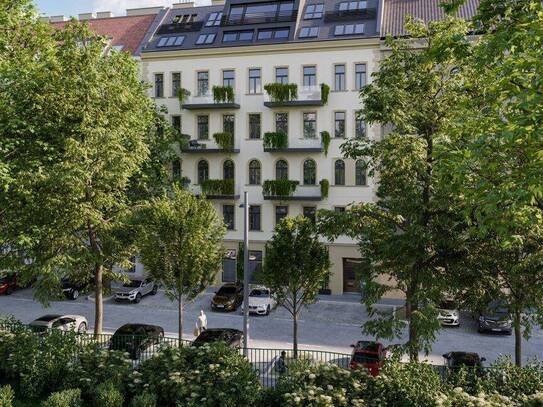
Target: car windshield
<point x="132" y="284"/>
<point x="259" y="293"/>
<point x="448" y="305"/>
<point x="130" y="330"/>
<point x="210" y="336"/>
<point x="467" y="359"/>
<point x="362" y="357"/>
<point x="48" y="318"/>
<point x="227" y="290"/>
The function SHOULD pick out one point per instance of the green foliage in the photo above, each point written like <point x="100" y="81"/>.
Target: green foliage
<point x="144" y="399"/>
<point x="204" y="376"/>
<point x="459" y="398"/>
<point x="295" y="266"/>
<point x="279" y="188"/>
<point x="182" y="95"/>
<point x="65" y="398"/>
<point x="325" y="140"/>
<point x="325" y="187"/>
<point x="275" y="140"/>
<point x="325" y="91"/>
<point x="107" y="395"/>
<point x="7" y="396"/>
<point x="282" y="92"/>
<point x="218" y="187"/>
<point x="223" y="94"/>
<point x="224" y="140"/>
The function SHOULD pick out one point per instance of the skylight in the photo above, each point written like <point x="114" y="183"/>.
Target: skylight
<point x="214" y="19"/>
<point x="309" y="32"/>
<point x="174" y="41"/>
<point x="349" y="29"/>
<point x="205" y="39"/>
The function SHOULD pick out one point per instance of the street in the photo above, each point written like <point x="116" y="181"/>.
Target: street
<point x="332" y="324"/>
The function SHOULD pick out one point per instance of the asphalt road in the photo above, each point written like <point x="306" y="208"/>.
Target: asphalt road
<point x="332" y="324"/>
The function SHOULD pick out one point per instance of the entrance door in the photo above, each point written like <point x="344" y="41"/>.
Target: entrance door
<point x="351" y="277"/>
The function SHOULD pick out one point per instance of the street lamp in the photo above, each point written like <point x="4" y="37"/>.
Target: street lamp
<point x="245" y="207"/>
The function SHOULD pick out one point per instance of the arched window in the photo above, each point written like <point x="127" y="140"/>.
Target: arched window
<point x="254" y="172"/>
<point x="281" y="170"/>
<point x="228" y="170"/>
<point x="203" y="171"/>
<point x="360" y="173"/>
<point x="339" y="172"/>
<point x="310" y="172"/>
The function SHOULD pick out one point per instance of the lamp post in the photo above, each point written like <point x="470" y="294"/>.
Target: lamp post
<point x="245" y="272"/>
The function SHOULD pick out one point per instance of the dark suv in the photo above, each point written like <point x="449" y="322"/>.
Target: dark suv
<point x="495" y="319"/>
<point x="72" y="288"/>
<point x="136" y="338"/>
<point x="228" y="298"/>
<point x="232" y="337"/>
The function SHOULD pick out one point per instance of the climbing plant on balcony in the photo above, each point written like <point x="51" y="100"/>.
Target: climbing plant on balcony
<point x="277" y="139"/>
<point x="218" y="187"/>
<point x="280" y="187"/>
<point x="224" y="140"/>
<point x="325" y="187"/>
<point x="223" y="94"/>
<point x="282" y="92"/>
<point x="325" y="91"/>
<point x="182" y="95"/>
<point x="325" y="141"/>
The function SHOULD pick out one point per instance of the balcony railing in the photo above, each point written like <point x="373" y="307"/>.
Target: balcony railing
<point x="276" y="143"/>
<point x="207" y="146"/>
<point x="287" y="190"/>
<point x="216" y="189"/>
<point x="350" y="15"/>
<point x="175" y="28"/>
<point x="207" y="101"/>
<point x="307" y="96"/>
<point x="248" y="18"/>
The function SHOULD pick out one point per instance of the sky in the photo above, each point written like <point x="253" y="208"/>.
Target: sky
<point x="118" y="7"/>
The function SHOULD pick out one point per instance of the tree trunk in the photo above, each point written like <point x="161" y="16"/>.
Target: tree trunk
<point x="295" y="334"/>
<point x="518" y="338"/>
<point x="98" y="299"/>
<point x="181" y="306"/>
<point x="413" y="342"/>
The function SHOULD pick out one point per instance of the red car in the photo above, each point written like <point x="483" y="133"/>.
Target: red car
<point x="368" y="354"/>
<point x="8" y="284"/>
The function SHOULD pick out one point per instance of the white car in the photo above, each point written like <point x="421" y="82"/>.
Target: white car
<point x="448" y="313"/>
<point x="77" y="323"/>
<point x="261" y="300"/>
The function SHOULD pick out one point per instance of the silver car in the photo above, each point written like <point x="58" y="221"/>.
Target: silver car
<point x="134" y="290"/>
<point x="448" y="313"/>
<point x="77" y="323"/>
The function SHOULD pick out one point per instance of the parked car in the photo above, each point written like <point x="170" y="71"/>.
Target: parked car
<point x="232" y="337"/>
<point x="72" y="288"/>
<point x="228" y="298"/>
<point x="77" y="323"/>
<point x="136" y="338"/>
<point x="368" y="354"/>
<point x="135" y="290"/>
<point x="261" y="300"/>
<point x="463" y="359"/>
<point x="8" y="284"/>
<point x="495" y="318"/>
<point x="448" y="313"/>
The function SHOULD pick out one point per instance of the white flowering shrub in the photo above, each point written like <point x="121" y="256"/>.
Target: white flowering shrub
<point x="108" y="395"/>
<point x="214" y="375"/>
<point x="534" y="400"/>
<point x="320" y="385"/>
<point x="459" y="398"/>
<point x="6" y="396"/>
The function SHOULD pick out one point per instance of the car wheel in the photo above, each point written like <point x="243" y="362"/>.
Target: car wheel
<point x="75" y="295"/>
<point x="138" y="298"/>
<point x="9" y="291"/>
<point x="82" y="328"/>
<point x="155" y="289"/>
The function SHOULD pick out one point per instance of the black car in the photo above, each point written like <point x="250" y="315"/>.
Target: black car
<point x="73" y="288"/>
<point x="232" y="337"/>
<point x="228" y="298"/>
<point x="136" y="338"/>
<point x="463" y="359"/>
<point x="495" y="319"/>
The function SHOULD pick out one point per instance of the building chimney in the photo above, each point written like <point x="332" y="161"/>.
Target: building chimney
<point x="86" y="16"/>
<point x="143" y="11"/>
<point x="104" y="14"/>
<point x="57" y="19"/>
<point x="187" y="4"/>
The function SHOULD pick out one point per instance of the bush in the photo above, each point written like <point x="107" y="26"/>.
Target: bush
<point x="6" y="396"/>
<point x="459" y="398"/>
<point x="108" y="395"/>
<point x="535" y="400"/>
<point x="204" y="376"/>
<point x="66" y="398"/>
<point x="144" y="399"/>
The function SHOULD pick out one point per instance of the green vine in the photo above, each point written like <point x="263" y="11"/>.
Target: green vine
<point x="275" y="140"/>
<point x="224" y="140"/>
<point x="279" y="188"/>
<point x="182" y="95"/>
<point x="280" y="92"/>
<point x="325" y="141"/>
<point x="325" y="91"/>
<point x="218" y="187"/>
<point x="223" y="94"/>
<point x="325" y="187"/>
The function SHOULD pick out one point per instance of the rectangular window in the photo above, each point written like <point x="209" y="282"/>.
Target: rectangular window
<point x="171" y="41"/>
<point x="273" y="34"/>
<point x="255" y="81"/>
<point x="310" y="76"/>
<point x="203" y="127"/>
<point x="313" y="11"/>
<point x="254" y="126"/>
<point x="203" y="83"/>
<point x="339" y="124"/>
<point x="235" y="36"/>
<point x="229" y="266"/>
<point x="359" y="128"/>
<point x="353" y="5"/>
<point x="176" y="123"/>
<point x="254" y="217"/>
<point x="176" y="83"/>
<point x="229" y="78"/>
<point x="281" y="75"/>
<point x="359" y="76"/>
<point x="205" y="39"/>
<point x="228" y="123"/>
<point x="281" y="122"/>
<point x="280" y="213"/>
<point x="339" y="77"/>
<point x="159" y="85"/>
<point x="310" y="125"/>
<point x="228" y="216"/>
<point x="339" y="209"/>
<point x="309" y="32"/>
<point x="176" y="169"/>
<point x="348" y="29"/>
<point x="310" y="212"/>
<point x="214" y="20"/>
<point x="255" y="264"/>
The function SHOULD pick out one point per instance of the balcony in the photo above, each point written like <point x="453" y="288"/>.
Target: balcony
<point x="216" y="189"/>
<point x="307" y="96"/>
<point x="208" y="101"/>
<point x="287" y="190"/>
<point x="260" y="18"/>
<point x="350" y="15"/>
<point x="278" y="142"/>
<point x="203" y="147"/>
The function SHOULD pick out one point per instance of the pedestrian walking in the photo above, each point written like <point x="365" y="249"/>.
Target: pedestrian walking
<point x="281" y="365"/>
<point x="202" y="321"/>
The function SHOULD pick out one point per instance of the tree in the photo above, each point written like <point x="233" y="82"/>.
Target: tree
<point x="180" y="243"/>
<point x="295" y="266"/>
<point x="408" y="234"/>
<point x="74" y="120"/>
